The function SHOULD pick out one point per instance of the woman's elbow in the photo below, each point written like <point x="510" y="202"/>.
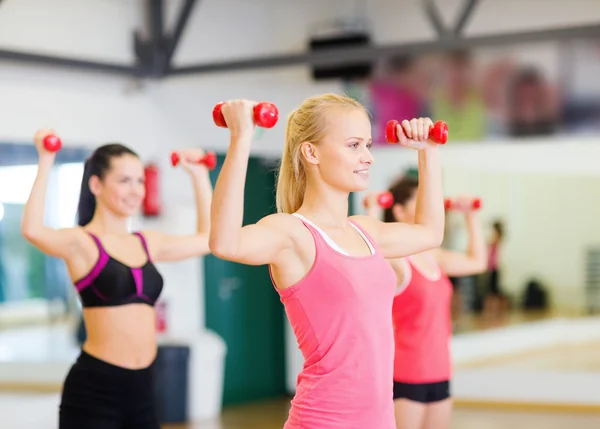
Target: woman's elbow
<point x="220" y="249"/>
<point x="28" y="232"/>
<point x="476" y="265"/>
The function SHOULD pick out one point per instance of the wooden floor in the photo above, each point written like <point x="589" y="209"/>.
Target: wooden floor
<point x="579" y="357"/>
<point x="474" y="322"/>
<point x="565" y="358"/>
<point x="40" y="411"/>
<point x="272" y="415"/>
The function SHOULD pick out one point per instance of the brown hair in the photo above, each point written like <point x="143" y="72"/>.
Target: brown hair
<point x="402" y="190"/>
<point x="98" y="165"/>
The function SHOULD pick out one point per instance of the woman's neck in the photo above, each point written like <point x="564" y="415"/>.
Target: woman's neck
<point x="109" y="223"/>
<point x="326" y="206"/>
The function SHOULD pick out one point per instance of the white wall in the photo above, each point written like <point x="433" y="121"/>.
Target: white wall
<point x="98" y="30"/>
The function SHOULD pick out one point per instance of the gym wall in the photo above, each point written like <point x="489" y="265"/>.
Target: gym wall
<point x="545" y="191"/>
<point x="154" y="117"/>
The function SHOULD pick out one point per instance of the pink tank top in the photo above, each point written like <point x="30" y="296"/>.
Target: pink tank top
<point x="493" y="256"/>
<point x="340" y="313"/>
<point x="422" y="328"/>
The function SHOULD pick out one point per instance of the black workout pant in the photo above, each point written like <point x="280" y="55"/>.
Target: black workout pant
<point x="422" y="392"/>
<point x="99" y="395"/>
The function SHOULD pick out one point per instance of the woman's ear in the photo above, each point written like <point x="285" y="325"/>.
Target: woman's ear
<point x="309" y="153"/>
<point x="95" y="185"/>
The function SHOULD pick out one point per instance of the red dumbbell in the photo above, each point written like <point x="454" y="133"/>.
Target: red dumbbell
<point x="462" y="205"/>
<point x="266" y="115"/>
<point x="385" y="200"/>
<point x="52" y="143"/>
<point x="438" y="133"/>
<point x="209" y="159"/>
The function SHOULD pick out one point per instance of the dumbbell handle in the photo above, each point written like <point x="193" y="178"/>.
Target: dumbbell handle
<point x="52" y="143"/>
<point x="209" y="159"/>
<point x="438" y="132"/>
<point x="474" y="204"/>
<point x="265" y="115"/>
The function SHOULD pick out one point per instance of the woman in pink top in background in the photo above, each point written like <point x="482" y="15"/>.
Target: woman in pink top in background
<point x="421" y="315"/>
<point x="330" y="270"/>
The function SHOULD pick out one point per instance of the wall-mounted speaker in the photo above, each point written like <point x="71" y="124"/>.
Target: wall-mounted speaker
<point x="348" y="70"/>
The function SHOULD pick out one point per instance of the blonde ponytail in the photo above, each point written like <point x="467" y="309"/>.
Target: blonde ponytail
<point x="305" y="124"/>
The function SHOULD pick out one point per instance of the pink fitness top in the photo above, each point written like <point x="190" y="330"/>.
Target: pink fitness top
<point x="493" y="257"/>
<point x="340" y="313"/>
<point x="422" y="327"/>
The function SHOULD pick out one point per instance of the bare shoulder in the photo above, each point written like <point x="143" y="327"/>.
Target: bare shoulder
<point x="365" y="220"/>
<point x="83" y="239"/>
<point x="150" y="234"/>
<point x="82" y="246"/>
<point x="370" y="224"/>
<point x="281" y="220"/>
<point x="285" y="224"/>
<point x="78" y="235"/>
<point x="278" y="220"/>
<point x="152" y="238"/>
<point x="292" y="262"/>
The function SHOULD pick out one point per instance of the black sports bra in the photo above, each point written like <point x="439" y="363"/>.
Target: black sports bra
<point x="112" y="283"/>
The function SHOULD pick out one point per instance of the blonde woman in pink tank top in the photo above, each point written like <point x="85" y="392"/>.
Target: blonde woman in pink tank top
<point x="421" y="315"/>
<point x="330" y="270"/>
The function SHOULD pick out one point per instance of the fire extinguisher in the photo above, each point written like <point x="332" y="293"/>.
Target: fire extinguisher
<point x="161" y="317"/>
<point x="152" y="205"/>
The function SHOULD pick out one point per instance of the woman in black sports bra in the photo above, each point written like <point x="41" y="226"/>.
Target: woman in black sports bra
<point x="111" y="385"/>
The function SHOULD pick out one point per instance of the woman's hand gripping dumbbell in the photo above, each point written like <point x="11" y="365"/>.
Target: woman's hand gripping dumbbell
<point x="463" y="204"/>
<point x="265" y="115"/>
<point x="209" y="159"/>
<point x="438" y="132"/>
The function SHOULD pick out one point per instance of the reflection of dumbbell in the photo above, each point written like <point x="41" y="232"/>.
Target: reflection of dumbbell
<point x="385" y="200"/>
<point x="52" y="143"/>
<point x="462" y="205"/>
<point x="209" y="159"/>
<point x="265" y="115"/>
<point x="438" y="132"/>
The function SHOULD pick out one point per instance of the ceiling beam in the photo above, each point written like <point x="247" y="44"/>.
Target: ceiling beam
<point x="433" y="14"/>
<point x="340" y="56"/>
<point x="70" y="63"/>
<point x="149" y="41"/>
<point x="465" y="14"/>
<point x="154" y="53"/>
<point x="154" y="47"/>
<point x="182" y="20"/>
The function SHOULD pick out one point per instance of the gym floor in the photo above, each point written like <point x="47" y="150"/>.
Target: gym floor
<point x="19" y="411"/>
<point x="271" y="415"/>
